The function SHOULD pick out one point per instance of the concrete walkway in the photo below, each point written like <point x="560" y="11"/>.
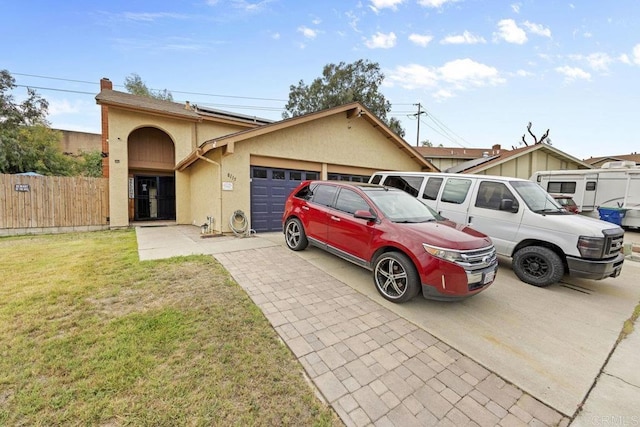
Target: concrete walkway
<point x="373" y="366"/>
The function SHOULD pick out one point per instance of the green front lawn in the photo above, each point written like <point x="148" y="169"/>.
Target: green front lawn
<point x="89" y="335"/>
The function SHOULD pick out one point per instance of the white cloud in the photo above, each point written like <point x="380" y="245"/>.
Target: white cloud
<point x="573" y="73"/>
<point x="308" y="32"/>
<point x="523" y="73"/>
<point x="150" y="17"/>
<point x="64" y="106"/>
<point x="509" y="31"/>
<point x="464" y="38"/>
<point x="445" y="81"/>
<point x="382" y="41"/>
<point x="636" y="54"/>
<point x="377" y="5"/>
<point x="624" y="58"/>
<point x="537" y="29"/>
<point x="250" y="7"/>
<point x="599" y="61"/>
<point x="414" y="76"/>
<point x="421" y="39"/>
<point x="466" y="72"/>
<point x="516" y="7"/>
<point x="434" y="3"/>
<point x="353" y="21"/>
<point x="275" y="36"/>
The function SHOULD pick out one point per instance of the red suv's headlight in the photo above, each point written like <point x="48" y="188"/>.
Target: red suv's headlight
<point x="445" y="254"/>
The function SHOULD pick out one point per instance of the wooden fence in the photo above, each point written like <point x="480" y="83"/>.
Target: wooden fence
<point x="32" y="204"/>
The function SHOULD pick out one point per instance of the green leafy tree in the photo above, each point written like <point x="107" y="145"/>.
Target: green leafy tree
<point x="341" y="84"/>
<point x="27" y="143"/>
<point x="90" y="163"/>
<point x="134" y="85"/>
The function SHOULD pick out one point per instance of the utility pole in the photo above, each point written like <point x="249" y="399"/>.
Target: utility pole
<point x="418" y="117"/>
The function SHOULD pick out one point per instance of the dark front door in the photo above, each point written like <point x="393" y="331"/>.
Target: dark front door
<point x="155" y="198"/>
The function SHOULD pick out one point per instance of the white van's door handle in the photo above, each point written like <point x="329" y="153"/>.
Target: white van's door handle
<point x="470" y="220"/>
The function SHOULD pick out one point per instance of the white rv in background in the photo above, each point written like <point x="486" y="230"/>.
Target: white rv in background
<point x="615" y="185"/>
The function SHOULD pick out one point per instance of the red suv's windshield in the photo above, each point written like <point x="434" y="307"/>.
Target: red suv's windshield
<point x="399" y="206"/>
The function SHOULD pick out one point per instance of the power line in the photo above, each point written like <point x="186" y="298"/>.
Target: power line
<point x="169" y="90"/>
<point x="58" y="90"/>
<point x="442" y="129"/>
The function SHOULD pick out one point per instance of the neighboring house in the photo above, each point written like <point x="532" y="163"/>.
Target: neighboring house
<point x="75" y="143"/>
<point x="180" y="162"/>
<point x="446" y="157"/>
<point x="518" y="163"/>
<point x="597" y="162"/>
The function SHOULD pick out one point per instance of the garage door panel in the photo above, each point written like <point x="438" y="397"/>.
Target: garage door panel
<point x="270" y="188"/>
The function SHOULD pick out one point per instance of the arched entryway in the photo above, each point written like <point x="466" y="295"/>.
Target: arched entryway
<point x="152" y="194"/>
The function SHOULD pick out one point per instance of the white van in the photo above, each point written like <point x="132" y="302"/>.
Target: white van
<point x="524" y="222"/>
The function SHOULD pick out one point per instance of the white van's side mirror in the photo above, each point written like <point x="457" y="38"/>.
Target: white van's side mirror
<point x="508" y="205"/>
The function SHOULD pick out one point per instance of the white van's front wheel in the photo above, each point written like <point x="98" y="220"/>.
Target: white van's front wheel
<point x="538" y="266"/>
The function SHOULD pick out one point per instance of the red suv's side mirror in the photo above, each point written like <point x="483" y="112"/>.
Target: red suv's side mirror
<point x="364" y="214"/>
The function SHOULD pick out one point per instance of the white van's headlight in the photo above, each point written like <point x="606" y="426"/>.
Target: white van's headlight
<point x="447" y="255"/>
<point x="591" y="247"/>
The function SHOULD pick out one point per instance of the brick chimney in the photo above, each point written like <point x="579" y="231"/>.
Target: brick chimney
<point x="105" y="84"/>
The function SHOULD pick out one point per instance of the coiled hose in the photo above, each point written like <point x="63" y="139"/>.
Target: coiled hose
<point x="239" y="224"/>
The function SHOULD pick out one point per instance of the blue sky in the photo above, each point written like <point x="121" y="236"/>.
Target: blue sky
<point x="481" y="70"/>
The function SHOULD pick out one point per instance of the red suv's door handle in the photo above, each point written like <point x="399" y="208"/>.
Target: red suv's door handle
<point x="306" y="208"/>
<point x="335" y="218"/>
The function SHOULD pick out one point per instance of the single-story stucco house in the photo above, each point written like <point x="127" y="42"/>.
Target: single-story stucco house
<point x="184" y="163"/>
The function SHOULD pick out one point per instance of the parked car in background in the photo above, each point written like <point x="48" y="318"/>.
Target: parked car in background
<point x="567" y="202"/>
<point x="409" y="247"/>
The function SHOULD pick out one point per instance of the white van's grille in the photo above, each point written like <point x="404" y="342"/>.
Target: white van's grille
<point x="613" y="244"/>
<point x="478" y="259"/>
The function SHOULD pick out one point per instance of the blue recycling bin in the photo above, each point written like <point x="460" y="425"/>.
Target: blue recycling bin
<point x="613" y="215"/>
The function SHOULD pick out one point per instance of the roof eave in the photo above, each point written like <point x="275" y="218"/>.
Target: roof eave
<point x="153" y="112"/>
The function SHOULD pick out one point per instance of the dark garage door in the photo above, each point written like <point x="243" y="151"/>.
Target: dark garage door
<point x="269" y="190"/>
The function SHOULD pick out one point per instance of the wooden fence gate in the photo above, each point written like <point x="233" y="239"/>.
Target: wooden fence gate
<point x="37" y="204"/>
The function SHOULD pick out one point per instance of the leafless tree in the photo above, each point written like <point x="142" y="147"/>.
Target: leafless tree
<point x="543" y="139"/>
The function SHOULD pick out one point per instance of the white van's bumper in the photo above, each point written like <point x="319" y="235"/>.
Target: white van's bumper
<point x="596" y="270"/>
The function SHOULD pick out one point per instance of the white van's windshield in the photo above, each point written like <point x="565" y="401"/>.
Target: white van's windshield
<point x="536" y="197"/>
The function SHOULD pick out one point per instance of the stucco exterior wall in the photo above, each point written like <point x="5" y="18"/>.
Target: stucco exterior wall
<point x="335" y="142"/>
<point x="203" y="194"/>
<point x="185" y="136"/>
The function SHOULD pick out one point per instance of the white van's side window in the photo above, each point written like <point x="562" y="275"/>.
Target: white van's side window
<point x="490" y="194"/>
<point x="455" y="190"/>
<point x="408" y="184"/>
<point x="432" y="188"/>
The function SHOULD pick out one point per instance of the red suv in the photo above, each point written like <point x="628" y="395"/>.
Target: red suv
<point x="408" y="246"/>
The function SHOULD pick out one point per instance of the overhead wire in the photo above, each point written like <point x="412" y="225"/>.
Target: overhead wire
<point x="438" y="126"/>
